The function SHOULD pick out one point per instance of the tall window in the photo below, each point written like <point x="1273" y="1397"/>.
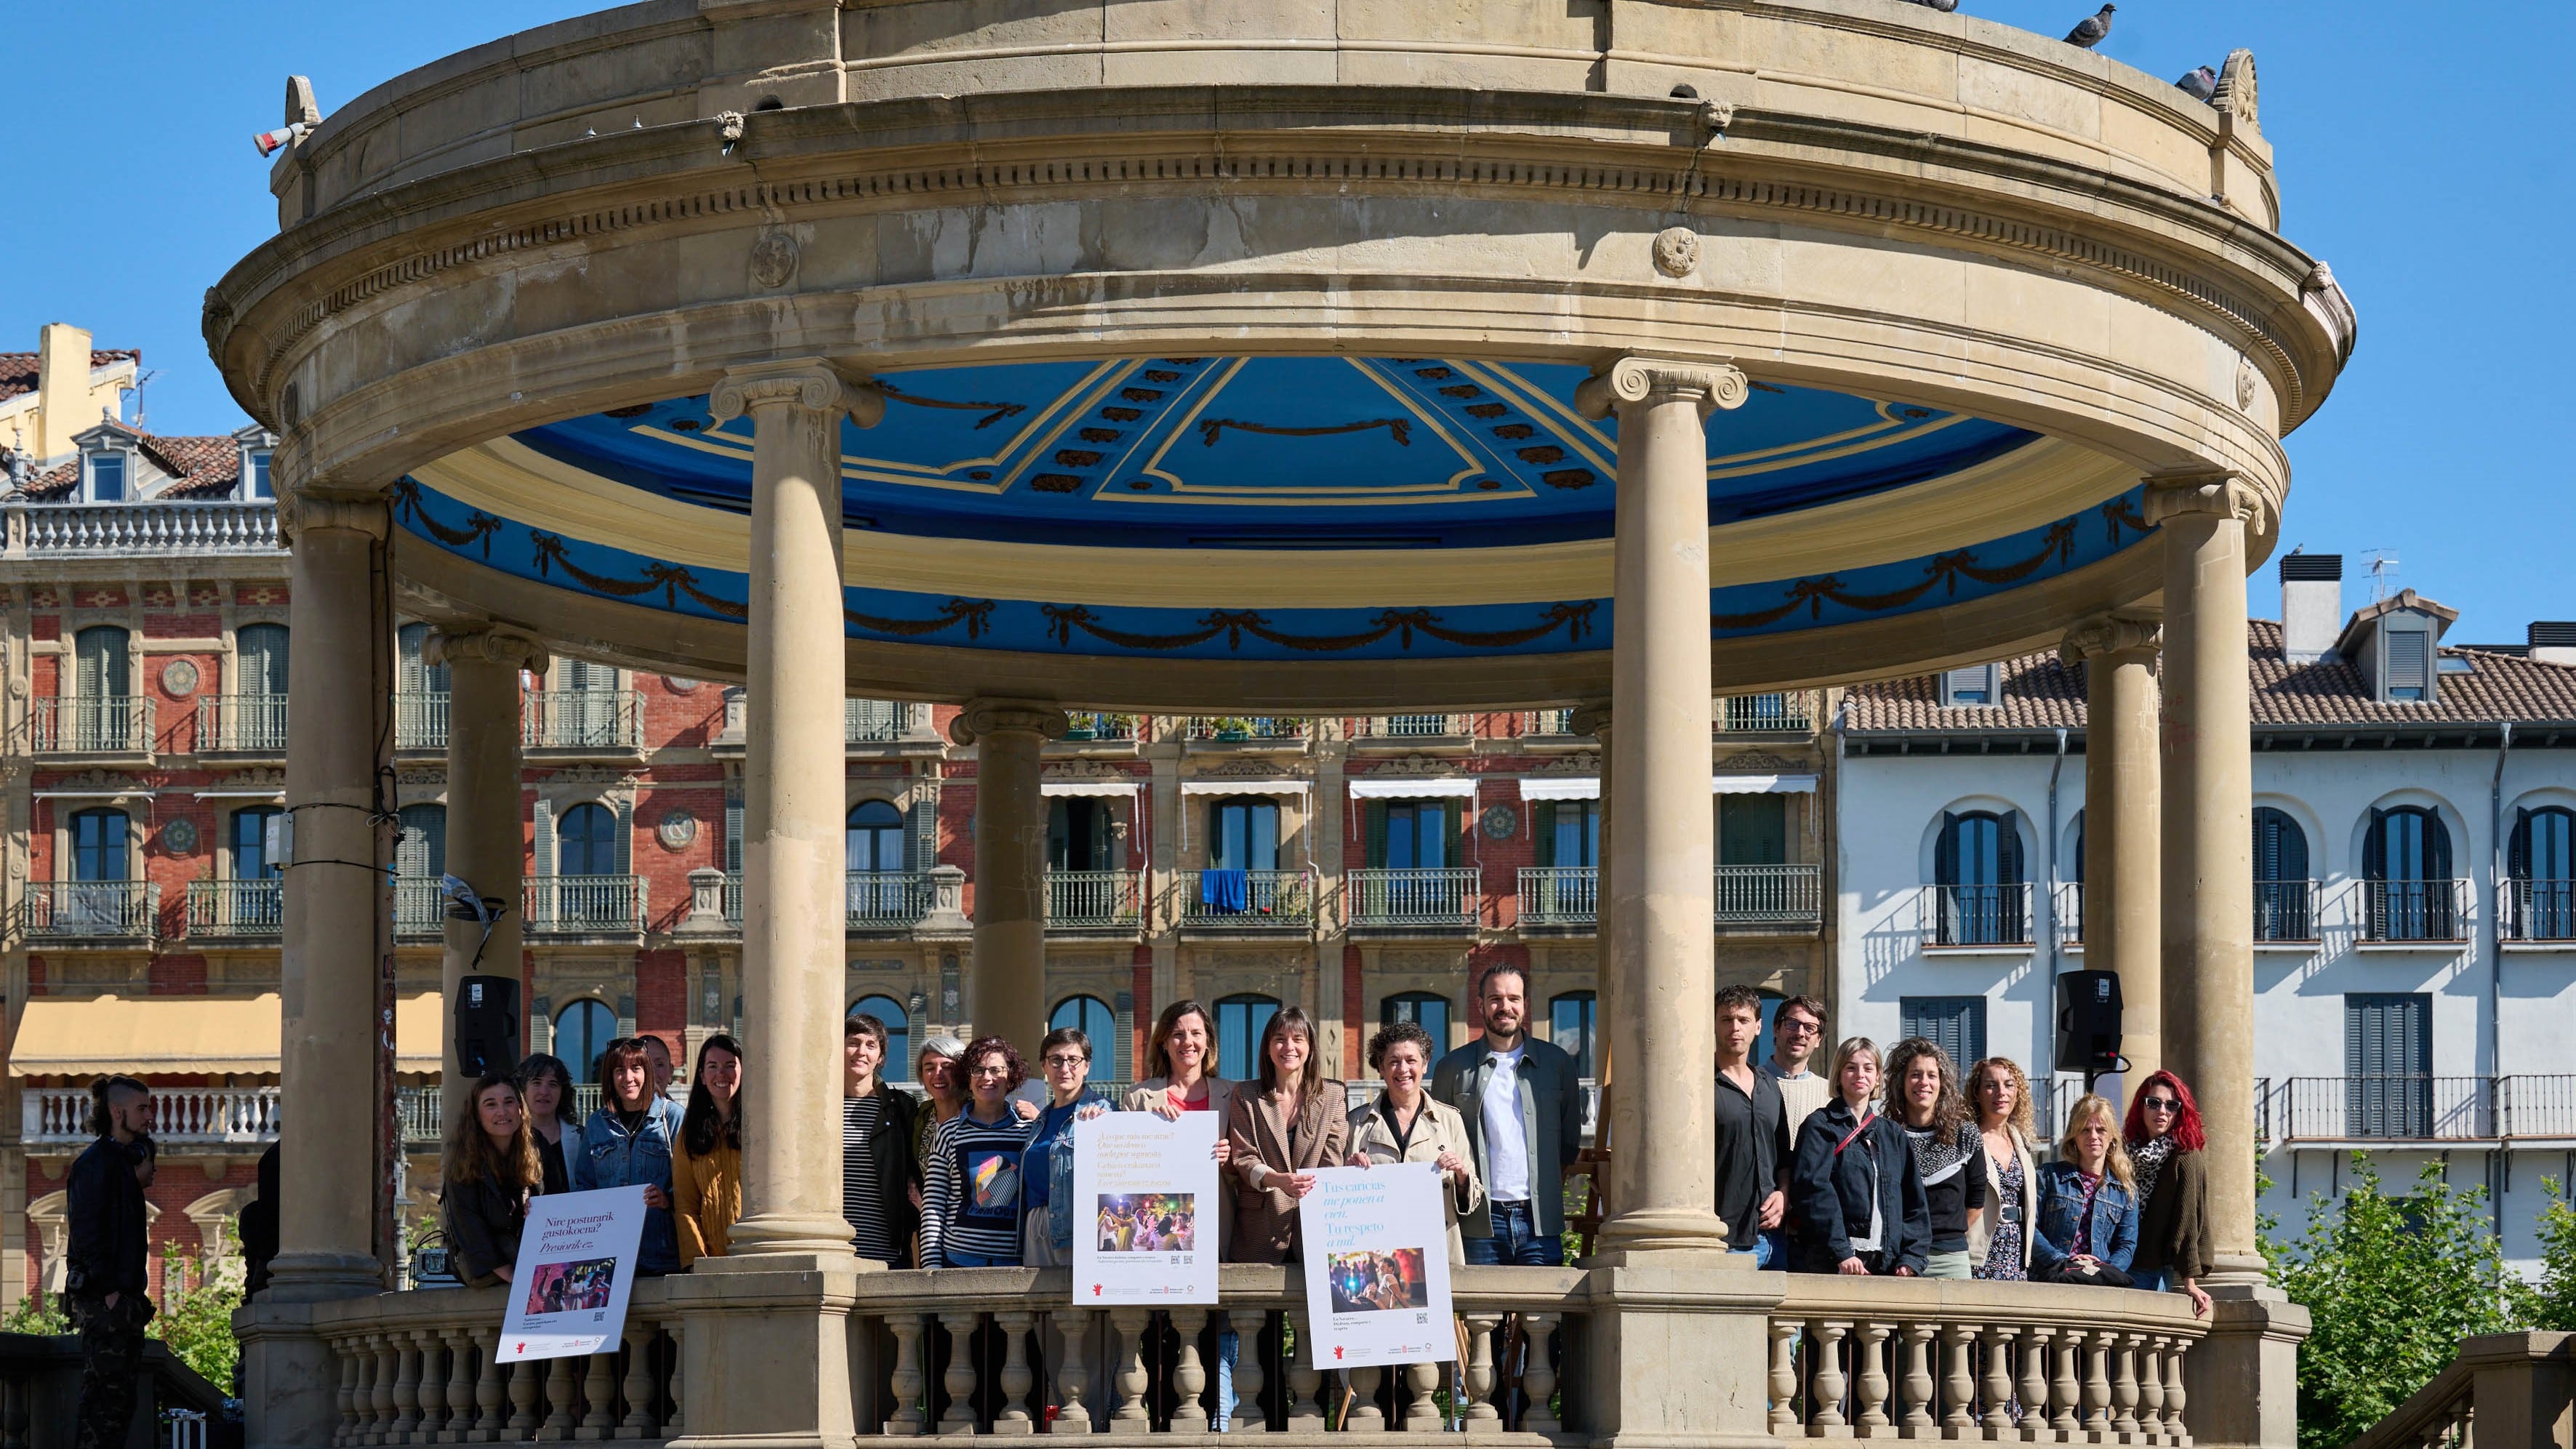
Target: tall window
<point x="1411" y="834"/>
<point x="1239" y="1024"/>
<point x="99" y="845"/>
<point x="1956" y="1023"/>
<point x="1425" y="1009"/>
<point x="582" y="1031"/>
<point x="2388" y="1064"/>
<point x="259" y="715"/>
<point x="102" y="714"/>
<point x="2282" y="908"/>
<point x="1092" y="1017"/>
<point x="1752" y="829"/>
<point x="586" y="713"/>
<point x="1570" y="1026"/>
<point x="107" y="477"/>
<point x="1977" y="864"/>
<point x="586" y="841"/>
<point x="876" y="847"/>
<point x="2406" y="863"/>
<point x="417" y="676"/>
<point x="249" y="844"/>
<point x="898" y="1025"/>
<point x="1568" y="833"/>
<point x="2541" y="864"/>
<point x="1243" y="834"/>
<point x="422" y="855"/>
<point x="1081" y="834"/>
<point x="255" y="482"/>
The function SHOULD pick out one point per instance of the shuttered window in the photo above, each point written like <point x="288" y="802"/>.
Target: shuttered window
<point x="586" y="841"/>
<point x="100" y="670"/>
<point x="412" y="675"/>
<point x="2283" y="910"/>
<point x="2388" y="1064"/>
<point x="249" y="844"/>
<point x="1752" y="829"/>
<point x="1957" y="1024"/>
<point x="2409" y="671"/>
<point x="262" y="648"/>
<point x="422" y="855"/>
<point x="1970" y="687"/>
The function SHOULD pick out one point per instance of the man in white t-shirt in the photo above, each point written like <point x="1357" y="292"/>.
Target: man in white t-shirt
<point x="1523" y="1104"/>
<point x="1797" y="1030"/>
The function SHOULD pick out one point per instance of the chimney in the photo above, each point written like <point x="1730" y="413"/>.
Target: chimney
<point x="2311" y="605"/>
<point x="62" y="389"/>
<point x="2553" y="641"/>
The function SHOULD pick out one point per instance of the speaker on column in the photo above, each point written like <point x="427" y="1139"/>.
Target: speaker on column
<point x="487" y="1024"/>
<point x="2088" y="1022"/>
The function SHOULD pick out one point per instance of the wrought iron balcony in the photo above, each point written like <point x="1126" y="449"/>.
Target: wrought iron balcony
<point x="2391" y="912"/>
<point x="420" y="721"/>
<point x="1084" y="725"/>
<point x="1559" y="898"/>
<point x="90" y="910"/>
<point x="878" y="900"/>
<point x="109" y="724"/>
<point x="2397" y="1107"/>
<point x="2066" y="911"/>
<point x="1434" y="899"/>
<point x="2539" y="910"/>
<point x="1270" y="900"/>
<point x="420" y="908"/>
<point x="241" y="724"/>
<point x="1245" y="729"/>
<point x="237" y="910"/>
<point x="1766" y="714"/>
<point x="585" y="905"/>
<point x="2285" y="910"/>
<point x="1398" y="728"/>
<point x="1785" y="897"/>
<point x="181" y="1116"/>
<point x="871" y="721"/>
<point x="1093" y="900"/>
<point x="582" y="719"/>
<point x="1975" y="915"/>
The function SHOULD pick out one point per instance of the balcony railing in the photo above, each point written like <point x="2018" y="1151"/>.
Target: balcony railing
<point x="1548" y="724"/>
<point x="874" y="721"/>
<point x="1238" y="729"/>
<point x="420" y="721"/>
<point x="1411" y="726"/>
<point x="2285" y="910"/>
<point x="2403" y="1107"/>
<point x="1559" y="897"/>
<point x="582" y="719"/>
<point x="2412" y="910"/>
<point x="2539" y="910"/>
<point x="2066" y="910"/>
<point x="91" y="725"/>
<point x="1438" y="899"/>
<point x="113" y="910"/>
<point x="584" y="905"/>
<point x="1093" y="900"/>
<point x="420" y="907"/>
<point x="1085" y="724"/>
<point x="1975" y="915"/>
<point x="236" y="909"/>
<point x="883" y="899"/>
<point x="242" y="723"/>
<point x="1765" y="714"/>
<point x="1267" y="900"/>
<point x="177" y="529"/>
<point x="180" y="1115"/>
<point x="1789" y="896"/>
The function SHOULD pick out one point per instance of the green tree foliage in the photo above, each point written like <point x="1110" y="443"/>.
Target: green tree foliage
<point x="2394" y="1284"/>
<point x="197" y="1324"/>
<point x="2552" y="1304"/>
<point x="38" y="1314"/>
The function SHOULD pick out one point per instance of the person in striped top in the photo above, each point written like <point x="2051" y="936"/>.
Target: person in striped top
<point x="972" y="1216"/>
<point x="880" y="1173"/>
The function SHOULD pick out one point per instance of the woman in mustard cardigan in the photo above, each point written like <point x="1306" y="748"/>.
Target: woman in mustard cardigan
<point x="706" y="1163"/>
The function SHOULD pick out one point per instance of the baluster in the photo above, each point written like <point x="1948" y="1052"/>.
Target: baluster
<point x="1072" y="1415"/>
<point x="2151" y="1389"/>
<point x="1998" y="1385"/>
<point x="1873" y="1381"/>
<point x="1825" y="1382"/>
<point x="1364" y="1416"/>
<point x="558" y="1424"/>
<point x="1131" y="1416"/>
<point x="429" y="1389"/>
<point x="908" y="1419"/>
<point x="600" y="1389"/>
<point x="1017" y="1378"/>
<point x="1918" y="1379"/>
<point x="1784" y="1377"/>
<point x="1189" y="1373"/>
<point x="457" y="1396"/>
<point x="960" y="1378"/>
<point x="639" y="1422"/>
<point x="347" y="1350"/>
<point x="491" y="1389"/>
<point x="523" y="1400"/>
<point x="1958" y="1380"/>
<point x="1304" y="1379"/>
<point x="2033" y="1405"/>
<point x="2066" y="1381"/>
<point x="2124" y="1387"/>
<point x="1250" y="1373"/>
<point x="388" y="1374"/>
<point x="1477" y="1373"/>
<point x="679" y="1379"/>
<point x="2097" y="1386"/>
<point x="1421" y="1416"/>
<point x="1538" y="1375"/>
<point x="2176" y="1431"/>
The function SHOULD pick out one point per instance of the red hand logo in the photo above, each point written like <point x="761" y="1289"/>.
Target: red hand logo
<point x="523" y="1348"/>
<point x="1337" y="1353"/>
<point x="1095" y="1290"/>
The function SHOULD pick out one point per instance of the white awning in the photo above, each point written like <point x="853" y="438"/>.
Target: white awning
<point x="245" y="792"/>
<point x="1126" y="788"/>
<point x="130" y="792"/>
<point x="1562" y="787"/>
<point x="1455" y="787"/>
<point x="1762" y="784"/>
<point x="1247" y="787"/>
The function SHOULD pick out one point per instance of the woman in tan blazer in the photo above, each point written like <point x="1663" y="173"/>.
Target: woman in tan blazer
<point x="1280" y="1134"/>
<point x="1405" y="1124"/>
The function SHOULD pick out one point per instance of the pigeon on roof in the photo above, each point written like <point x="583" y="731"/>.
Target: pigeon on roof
<point x="2200" y="85"/>
<point x="2089" y="31"/>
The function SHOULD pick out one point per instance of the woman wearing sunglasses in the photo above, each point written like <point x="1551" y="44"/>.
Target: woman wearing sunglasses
<point x="2165" y="1139"/>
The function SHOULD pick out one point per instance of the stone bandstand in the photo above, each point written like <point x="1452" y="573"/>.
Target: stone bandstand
<point x="1223" y="355"/>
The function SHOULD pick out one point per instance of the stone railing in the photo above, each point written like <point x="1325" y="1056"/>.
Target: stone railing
<point x="201" y="1116"/>
<point x="2504" y="1388"/>
<point x="2026" y="1362"/>
<point x="122" y="530"/>
<point x="1398" y="728"/>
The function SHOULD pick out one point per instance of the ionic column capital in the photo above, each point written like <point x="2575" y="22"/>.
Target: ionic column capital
<point x="2104" y="635"/>
<point x="1592" y="717"/>
<point x="983" y="717"/>
<point x="810" y="383"/>
<point x="1637" y="378"/>
<point x="2215" y="492"/>
<point x="483" y="644"/>
<point x="315" y="509"/>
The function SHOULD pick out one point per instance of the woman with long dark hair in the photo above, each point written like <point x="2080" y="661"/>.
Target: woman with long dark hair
<point x="1281" y="1134"/>
<point x="706" y="1171"/>
<point x="1923" y="1097"/>
<point x="554" y="1117"/>
<point x="2166" y="1141"/>
<point x="485" y="1180"/>
<point x="627" y="1143"/>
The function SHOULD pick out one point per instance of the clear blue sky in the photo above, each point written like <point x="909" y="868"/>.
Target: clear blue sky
<point x="2422" y="152"/>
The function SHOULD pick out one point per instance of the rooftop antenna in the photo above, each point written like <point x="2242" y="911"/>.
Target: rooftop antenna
<point x="137" y="390"/>
<point x="2383" y="567"/>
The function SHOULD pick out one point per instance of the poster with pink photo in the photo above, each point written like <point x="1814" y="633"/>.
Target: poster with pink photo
<point x="567" y="1293"/>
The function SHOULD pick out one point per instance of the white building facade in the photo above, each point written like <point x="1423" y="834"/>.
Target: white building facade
<point x="2415" y="916"/>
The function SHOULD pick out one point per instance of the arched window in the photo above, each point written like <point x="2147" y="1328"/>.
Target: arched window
<point x="1425" y="1009"/>
<point x="1570" y="1026"/>
<point x="2541" y="862"/>
<point x="898" y="1028"/>
<point x="1092" y="1017"/>
<point x="2406" y="861"/>
<point x="248" y="844"/>
<point x="2283" y="907"/>
<point x="102" y="712"/>
<point x="1240" y="1021"/>
<point x="1977" y="868"/>
<point x="582" y="1031"/>
<point x="878" y="890"/>
<point x="586" y="841"/>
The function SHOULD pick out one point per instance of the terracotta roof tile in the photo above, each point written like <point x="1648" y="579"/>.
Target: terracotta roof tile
<point x="201" y="467"/>
<point x="18" y="369"/>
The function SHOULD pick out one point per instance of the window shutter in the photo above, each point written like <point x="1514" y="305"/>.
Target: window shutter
<point x="625" y="837"/>
<point x="1374" y="826"/>
<point x="2518" y="852"/>
<point x="1122" y="1060"/>
<point x="423" y="851"/>
<point x="2374" y="847"/>
<point x="626" y="1016"/>
<point x="2437" y="848"/>
<point x="2408" y="676"/>
<point x="733" y="832"/>
<point x="544" y="838"/>
<point x="1945" y="851"/>
<point x="407" y="665"/>
<point x="262" y="652"/>
<point x="541" y="1025"/>
<point x="1059" y="836"/>
<point x="1216" y="835"/>
<point x="1543" y="827"/>
<point x="2008" y="849"/>
<point x="923" y="820"/>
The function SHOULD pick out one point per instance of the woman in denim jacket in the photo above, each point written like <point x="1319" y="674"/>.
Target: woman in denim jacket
<point x="2087" y="1214"/>
<point x="628" y="1142"/>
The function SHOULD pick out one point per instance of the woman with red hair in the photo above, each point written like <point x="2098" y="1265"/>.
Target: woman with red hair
<point x="2165" y="1140"/>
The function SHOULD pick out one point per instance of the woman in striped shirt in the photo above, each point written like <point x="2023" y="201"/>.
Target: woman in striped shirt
<point x="972" y="1218"/>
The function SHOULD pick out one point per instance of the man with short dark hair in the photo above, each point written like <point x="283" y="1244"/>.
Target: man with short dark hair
<point x="1753" y="1143"/>
<point x="107" y="1279"/>
<point x="1797" y="1030"/>
<point x="1523" y="1103"/>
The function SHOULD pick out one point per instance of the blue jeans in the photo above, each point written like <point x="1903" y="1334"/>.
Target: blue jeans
<point x="1228" y="1347"/>
<point x="979" y="1260"/>
<point x="1516" y="1241"/>
<point x="2153" y="1280"/>
<point x="1765" y="1252"/>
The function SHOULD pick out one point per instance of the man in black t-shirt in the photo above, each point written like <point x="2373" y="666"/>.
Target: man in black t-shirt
<point x="1752" y="1131"/>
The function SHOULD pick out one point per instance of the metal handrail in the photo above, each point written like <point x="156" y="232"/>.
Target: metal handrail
<point x="1272" y="898"/>
<point x="1229" y="728"/>
<point x="252" y="909"/>
<point x="90" y="724"/>
<point x="2413" y="910"/>
<point x="2542" y="909"/>
<point x="2285" y="910"/>
<point x="581" y="719"/>
<point x="1410" y="726"/>
<point x="90" y="909"/>
<point x="1778" y="894"/>
<point x="584" y="904"/>
<point x="239" y="723"/>
<point x="1975" y="915"/>
<point x="1094" y="898"/>
<point x="879" y="899"/>
<point x="1559" y="895"/>
<point x="420" y="721"/>
<point x="1423" y="897"/>
<point x="1777" y="713"/>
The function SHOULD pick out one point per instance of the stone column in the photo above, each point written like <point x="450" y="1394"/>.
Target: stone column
<point x="794" y="851"/>
<point x="2121" y="909"/>
<point x="2208" y="989"/>
<point x="337" y="930"/>
<point x="1663" y="838"/>
<point x="1006" y="995"/>
<point x="484" y="847"/>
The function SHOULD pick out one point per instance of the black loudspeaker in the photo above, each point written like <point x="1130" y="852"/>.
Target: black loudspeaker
<point x="487" y="1024"/>
<point x="2088" y="1022"/>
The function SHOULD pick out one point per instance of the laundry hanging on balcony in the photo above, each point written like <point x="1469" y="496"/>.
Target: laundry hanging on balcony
<point x="1226" y="890"/>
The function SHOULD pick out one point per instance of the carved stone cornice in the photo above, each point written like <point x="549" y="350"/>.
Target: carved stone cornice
<point x="2101" y="636"/>
<point x="2215" y="492"/>
<point x="1637" y="378"/>
<point x="810" y="383"/>
<point x="982" y="717"/>
<point x="484" y="644"/>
